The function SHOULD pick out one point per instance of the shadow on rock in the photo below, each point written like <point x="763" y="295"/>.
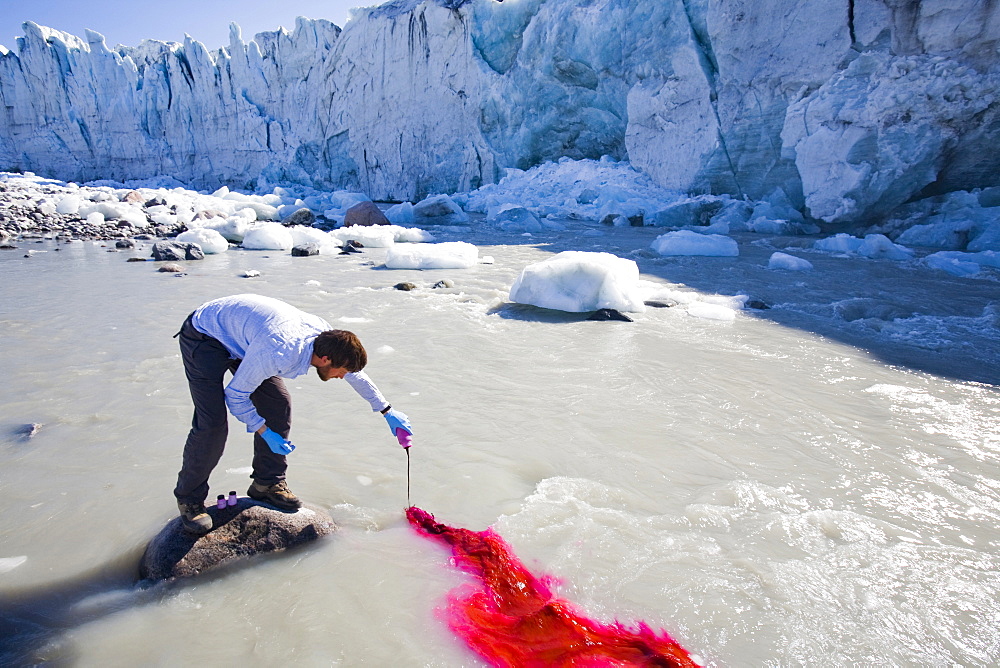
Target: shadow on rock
<point x="239" y="531"/>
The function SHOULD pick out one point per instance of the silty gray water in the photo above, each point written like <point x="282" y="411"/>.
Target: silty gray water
<point x="816" y="483"/>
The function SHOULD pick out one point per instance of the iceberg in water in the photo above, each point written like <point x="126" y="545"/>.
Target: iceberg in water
<point x="209" y="240"/>
<point x="268" y="236"/>
<point x="685" y="242"/>
<point x="788" y="262"/>
<point x="446" y="255"/>
<point x="580" y="281"/>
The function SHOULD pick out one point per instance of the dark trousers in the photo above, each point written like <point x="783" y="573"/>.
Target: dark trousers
<point x="206" y="362"/>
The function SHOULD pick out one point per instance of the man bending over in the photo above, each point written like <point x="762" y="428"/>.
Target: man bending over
<point x="260" y="340"/>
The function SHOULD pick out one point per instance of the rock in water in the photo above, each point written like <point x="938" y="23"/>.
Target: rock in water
<point x="28" y="431"/>
<point x="243" y="530"/>
<point x="305" y="250"/>
<point x="176" y="250"/>
<point x="365" y="213"/>
<point x="609" y="314"/>
<point x="171" y="267"/>
<point x="301" y="216"/>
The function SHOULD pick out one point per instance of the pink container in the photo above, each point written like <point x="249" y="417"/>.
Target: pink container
<point x="404" y="437"/>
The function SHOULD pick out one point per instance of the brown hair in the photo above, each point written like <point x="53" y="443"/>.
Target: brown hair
<point x="343" y="348"/>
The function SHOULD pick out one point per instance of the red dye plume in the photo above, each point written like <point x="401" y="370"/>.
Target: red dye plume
<point x="511" y="618"/>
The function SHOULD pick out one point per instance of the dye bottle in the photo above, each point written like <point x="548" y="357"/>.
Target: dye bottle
<point x="221" y="502"/>
<point x="232" y="498"/>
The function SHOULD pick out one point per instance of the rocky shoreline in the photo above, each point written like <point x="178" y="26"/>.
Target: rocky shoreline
<point x="33" y="208"/>
<point x="32" y="214"/>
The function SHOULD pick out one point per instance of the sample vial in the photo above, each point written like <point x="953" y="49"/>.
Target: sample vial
<point x="221" y="502"/>
<point x="232" y="498"/>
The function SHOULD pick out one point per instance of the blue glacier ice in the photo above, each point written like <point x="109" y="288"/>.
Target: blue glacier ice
<point x="848" y="112"/>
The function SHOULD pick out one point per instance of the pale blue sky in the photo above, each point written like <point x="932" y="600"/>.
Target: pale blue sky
<point x="130" y="21"/>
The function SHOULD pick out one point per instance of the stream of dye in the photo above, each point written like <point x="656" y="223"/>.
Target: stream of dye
<point x="511" y="617"/>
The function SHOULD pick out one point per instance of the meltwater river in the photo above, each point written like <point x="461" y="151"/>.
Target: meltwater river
<point x="814" y="484"/>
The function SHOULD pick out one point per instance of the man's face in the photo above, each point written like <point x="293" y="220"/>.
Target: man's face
<point x="325" y="370"/>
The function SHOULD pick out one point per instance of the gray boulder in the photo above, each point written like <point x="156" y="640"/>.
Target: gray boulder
<point x="305" y="250"/>
<point x="244" y="530"/>
<point x="133" y="196"/>
<point x="301" y="216"/>
<point x="605" y="314"/>
<point x="171" y="267"/>
<point x="365" y="213"/>
<point x="176" y="250"/>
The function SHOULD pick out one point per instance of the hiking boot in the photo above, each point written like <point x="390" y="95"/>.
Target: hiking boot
<point x="278" y="495"/>
<point x="194" y="518"/>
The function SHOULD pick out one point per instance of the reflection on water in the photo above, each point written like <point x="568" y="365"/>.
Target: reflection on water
<point x="770" y="491"/>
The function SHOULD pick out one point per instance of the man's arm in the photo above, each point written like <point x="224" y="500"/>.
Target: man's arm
<point x="399" y="424"/>
<point x="364" y="386"/>
<point x="253" y="370"/>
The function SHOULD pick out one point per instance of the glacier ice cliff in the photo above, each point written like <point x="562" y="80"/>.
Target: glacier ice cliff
<point x="849" y="108"/>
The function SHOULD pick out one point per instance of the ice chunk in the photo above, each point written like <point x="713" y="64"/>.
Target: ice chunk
<point x="514" y="218"/>
<point x="876" y="246"/>
<point x="988" y="239"/>
<point x="789" y="262"/>
<point x="135" y="216"/>
<point x="879" y="246"/>
<point x="580" y="281"/>
<point x="941" y="234"/>
<point x="734" y="302"/>
<point x="711" y="311"/>
<point x="439" y="210"/>
<point x="310" y="235"/>
<point x="211" y="242"/>
<point x="413" y="235"/>
<point x="448" y="255"/>
<point x="732" y="218"/>
<point x="336" y="204"/>
<point x="68" y="204"/>
<point x="685" y="242"/>
<point x="382" y="236"/>
<point x="839" y="243"/>
<point x="960" y="264"/>
<point x="370" y="236"/>
<point x="268" y="236"/>
<point x="263" y="211"/>
<point x="400" y="214"/>
<point x="233" y="228"/>
<point x="10" y="563"/>
<point x="574" y="189"/>
<point x="952" y="262"/>
<point x="167" y="219"/>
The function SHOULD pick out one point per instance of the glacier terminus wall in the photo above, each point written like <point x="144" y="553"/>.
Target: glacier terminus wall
<point x="850" y="107"/>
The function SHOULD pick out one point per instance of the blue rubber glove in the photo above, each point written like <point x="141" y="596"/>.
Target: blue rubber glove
<point x="277" y="442"/>
<point x="398" y="420"/>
